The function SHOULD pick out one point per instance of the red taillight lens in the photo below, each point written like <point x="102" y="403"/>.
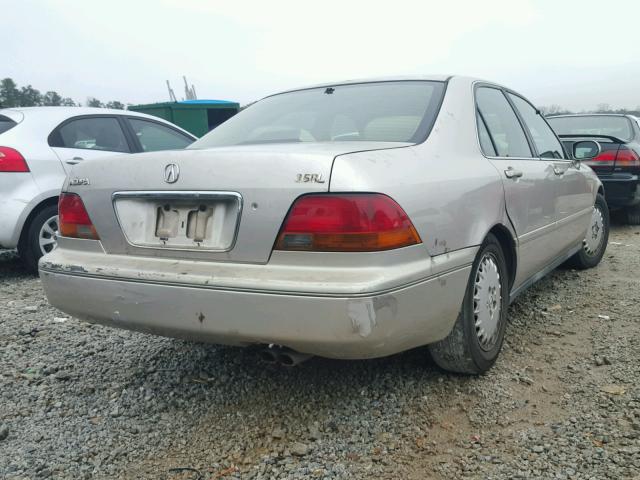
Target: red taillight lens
<point x="606" y="157"/>
<point x="627" y="158"/>
<point x="12" y="160"/>
<point x="350" y="222"/>
<point x="74" y="220"/>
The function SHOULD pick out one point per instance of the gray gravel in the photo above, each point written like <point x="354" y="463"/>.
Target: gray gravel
<point x="563" y="402"/>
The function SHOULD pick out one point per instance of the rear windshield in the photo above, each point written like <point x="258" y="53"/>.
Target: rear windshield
<point x="593" y="125"/>
<point x="6" y="124"/>
<point x="382" y="111"/>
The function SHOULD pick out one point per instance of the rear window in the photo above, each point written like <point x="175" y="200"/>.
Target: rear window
<point x="619" y="127"/>
<point x="382" y="111"/>
<point x="6" y="124"/>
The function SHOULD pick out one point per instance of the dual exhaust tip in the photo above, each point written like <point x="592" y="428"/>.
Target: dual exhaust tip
<point x="283" y="356"/>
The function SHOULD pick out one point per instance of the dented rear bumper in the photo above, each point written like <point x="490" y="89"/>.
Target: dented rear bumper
<point x="329" y="321"/>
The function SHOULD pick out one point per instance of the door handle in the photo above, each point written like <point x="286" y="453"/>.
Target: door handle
<point x="74" y="160"/>
<point x="513" y="173"/>
<point x="558" y="171"/>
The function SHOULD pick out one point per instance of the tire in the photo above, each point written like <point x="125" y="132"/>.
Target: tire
<point x="594" y="246"/>
<point x="633" y="215"/>
<point x="465" y="349"/>
<point x="31" y="250"/>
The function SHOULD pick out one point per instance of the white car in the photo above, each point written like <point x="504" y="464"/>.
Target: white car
<point x="39" y="146"/>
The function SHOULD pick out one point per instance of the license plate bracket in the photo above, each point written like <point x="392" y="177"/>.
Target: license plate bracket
<point x="179" y="220"/>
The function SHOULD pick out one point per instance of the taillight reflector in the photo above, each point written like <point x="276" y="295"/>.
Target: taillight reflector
<point x="351" y="222"/>
<point x="74" y="220"/>
<point x="12" y="160"/>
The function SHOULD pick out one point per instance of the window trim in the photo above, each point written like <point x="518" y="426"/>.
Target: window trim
<point x="136" y="141"/>
<point x="54" y="139"/>
<point x="534" y="152"/>
<point x="508" y="92"/>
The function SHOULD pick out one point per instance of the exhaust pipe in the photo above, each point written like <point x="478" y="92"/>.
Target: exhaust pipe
<point x="283" y="356"/>
<point x="268" y="355"/>
<point x="290" y="358"/>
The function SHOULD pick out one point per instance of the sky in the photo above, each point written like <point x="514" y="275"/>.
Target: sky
<point x="576" y="54"/>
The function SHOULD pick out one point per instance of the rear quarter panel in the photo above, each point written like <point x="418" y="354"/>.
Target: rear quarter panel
<point x="452" y="194"/>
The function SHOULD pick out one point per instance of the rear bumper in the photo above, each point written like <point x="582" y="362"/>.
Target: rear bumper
<point x="621" y="189"/>
<point x="336" y="325"/>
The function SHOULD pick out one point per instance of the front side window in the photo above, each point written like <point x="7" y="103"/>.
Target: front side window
<point x="101" y="133"/>
<point x="615" y="126"/>
<point x="154" y="137"/>
<point x="544" y="139"/>
<point x="503" y="124"/>
<point x="401" y="111"/>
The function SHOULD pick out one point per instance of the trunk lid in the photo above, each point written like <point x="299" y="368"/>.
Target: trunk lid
<point x="223" y="204"/>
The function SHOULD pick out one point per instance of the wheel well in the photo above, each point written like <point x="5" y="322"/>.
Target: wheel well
<point x="601" y="190"/>
<point x="25" y="227"/>
<point x="508" y="247"/>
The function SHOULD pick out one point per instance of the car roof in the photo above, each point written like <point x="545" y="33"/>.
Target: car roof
<point x="400" y="78"/>
<point x="64" y="112"/>
<point x="590" y="115"/>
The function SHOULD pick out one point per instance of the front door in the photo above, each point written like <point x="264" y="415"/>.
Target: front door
<point x="574" y="199"/>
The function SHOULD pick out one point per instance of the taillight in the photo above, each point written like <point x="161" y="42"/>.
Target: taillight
<point x="627" y="158"/>
<point x="12" y="160"/>
<point x="606" y="157"/>
<point x="352" y="222"/>
<point x="73" y="219"/>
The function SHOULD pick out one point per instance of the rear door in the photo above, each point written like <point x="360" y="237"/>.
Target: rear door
<point x="574" y="198"/>
<point x="88" y="137"/>
<point x="528" y="181"/>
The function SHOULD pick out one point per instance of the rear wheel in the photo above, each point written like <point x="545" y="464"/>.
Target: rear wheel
<point x="474" y="343"/>
<point x="40" y="237"/>
<point x="595" y="241"/>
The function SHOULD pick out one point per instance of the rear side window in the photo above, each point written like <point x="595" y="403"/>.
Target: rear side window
<point x="154" y="137"/>
<point x="97" y="133"/>
<point x="6" y="124"/>
<point x="545" y="140"/>
<point x="502" y="123"/>
<point x="485" y="138"/>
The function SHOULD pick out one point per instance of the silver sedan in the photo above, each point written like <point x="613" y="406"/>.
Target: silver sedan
<point x="351" y="220"/>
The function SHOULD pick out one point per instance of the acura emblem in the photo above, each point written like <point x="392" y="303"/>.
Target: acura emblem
<point x="171" y="173"/>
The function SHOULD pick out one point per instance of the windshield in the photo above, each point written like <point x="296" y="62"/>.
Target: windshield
<point x="383" y="111"/>
<point x="593" y="125"/>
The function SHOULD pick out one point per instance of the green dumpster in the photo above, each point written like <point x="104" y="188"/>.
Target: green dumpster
<point x="195" y="116"/>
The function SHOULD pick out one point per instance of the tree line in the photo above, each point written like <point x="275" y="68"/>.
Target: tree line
<point x="600" y="108"/>
<point x="13" y="96"/>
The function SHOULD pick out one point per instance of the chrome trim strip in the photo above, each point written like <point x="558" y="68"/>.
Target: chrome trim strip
<point x="180" y="195"/>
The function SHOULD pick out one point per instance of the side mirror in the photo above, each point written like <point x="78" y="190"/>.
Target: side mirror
<point x="586" y="149"/>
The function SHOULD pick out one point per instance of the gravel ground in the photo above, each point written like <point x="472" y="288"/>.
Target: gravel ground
<point x="563" y="402"/>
